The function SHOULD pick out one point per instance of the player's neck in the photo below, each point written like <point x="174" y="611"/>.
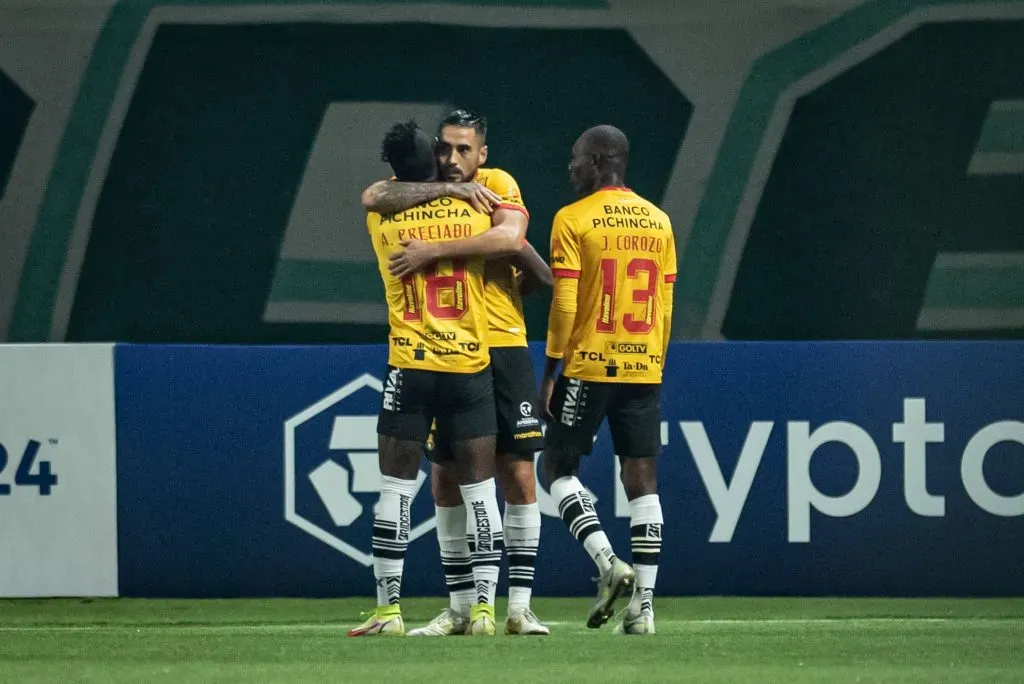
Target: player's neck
<point x="611" y="181"/>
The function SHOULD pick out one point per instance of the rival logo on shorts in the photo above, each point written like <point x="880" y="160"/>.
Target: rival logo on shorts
<point x="528" y="435"/>
<point x="331" y="472"/>
<point x="571" y="404"/>
<point x="391" y="400"/>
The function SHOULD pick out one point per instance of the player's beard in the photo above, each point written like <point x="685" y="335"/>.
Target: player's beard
<point x="452" y="174"/>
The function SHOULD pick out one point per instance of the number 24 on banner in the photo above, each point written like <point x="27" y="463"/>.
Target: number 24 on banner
<point x="45" y="480"/>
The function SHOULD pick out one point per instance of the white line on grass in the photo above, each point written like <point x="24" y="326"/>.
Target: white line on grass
<point x="322" y="627"/>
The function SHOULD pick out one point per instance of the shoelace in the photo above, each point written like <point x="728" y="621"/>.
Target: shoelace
<point x="530" y="616"/>
<point x="526" y="613"/>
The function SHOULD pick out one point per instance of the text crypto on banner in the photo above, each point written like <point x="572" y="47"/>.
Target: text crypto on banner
<point x="815" y="468"/>
<point x="58" y="531"/>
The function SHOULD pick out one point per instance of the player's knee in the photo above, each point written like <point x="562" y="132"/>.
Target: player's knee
<point x="517" y="480"/>
<point x="444" y="485"/>
<point x="639" y="477"/>
<point x="559" y="463"/>
<point x="399" y="458"/>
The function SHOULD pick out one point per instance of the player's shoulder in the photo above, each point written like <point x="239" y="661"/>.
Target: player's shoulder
<point x="501" y="182"/>
<point x="654" y="209"/>
<point x="569" y="213"/>
<point x="580" y="207"/>
<point x="487" y="176"/>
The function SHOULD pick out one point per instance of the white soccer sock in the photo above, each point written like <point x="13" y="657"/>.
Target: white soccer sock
<point x="458" y="564"/>
<point x="645" y="521"/>
<point x="484" y="533"/>
<point x="577" y="511"/>
<point x="522" y="537"/>
<point x="391" y="536"/>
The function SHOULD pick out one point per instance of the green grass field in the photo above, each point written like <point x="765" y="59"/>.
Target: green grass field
<point x="700" y="640"/>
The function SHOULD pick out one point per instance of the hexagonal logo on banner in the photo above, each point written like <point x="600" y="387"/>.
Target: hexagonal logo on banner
<point x="332" y="477"/>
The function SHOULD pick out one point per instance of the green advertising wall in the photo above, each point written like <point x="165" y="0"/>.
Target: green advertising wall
<point x="188" y="230"/>
<point x="867" y="181"/>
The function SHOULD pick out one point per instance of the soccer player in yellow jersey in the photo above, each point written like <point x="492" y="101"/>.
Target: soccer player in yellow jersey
<point x="438" y="369"/>
<point x="462" y="151"/>
<point x="614" y="261"/>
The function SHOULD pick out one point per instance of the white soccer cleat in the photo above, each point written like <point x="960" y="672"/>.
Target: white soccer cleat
<point x="618" y="581"/>
<point x="522" y="621"/>
<point x="447" y="623"/>
<point x="636" y="623"/>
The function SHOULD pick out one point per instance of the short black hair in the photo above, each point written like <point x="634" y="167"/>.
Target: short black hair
<point x="410" y="151"/>
<point x="608" y="142"/>
<point x="464" y="118"/>
<point x="608" y="145"/>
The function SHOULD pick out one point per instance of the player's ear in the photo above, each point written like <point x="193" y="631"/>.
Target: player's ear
<point x="483" y="155"/>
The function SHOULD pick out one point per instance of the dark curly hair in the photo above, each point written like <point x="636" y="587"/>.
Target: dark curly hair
<point x="410" y="152"/>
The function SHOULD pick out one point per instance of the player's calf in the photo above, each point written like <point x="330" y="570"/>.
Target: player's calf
<point x="475" y="458"/>
<point x="454" y="546"/>
<point x="521" y="525"/>
<point x="576" y="508"/>
<point x="639" y="479"/>
<point x="399" y="462"/>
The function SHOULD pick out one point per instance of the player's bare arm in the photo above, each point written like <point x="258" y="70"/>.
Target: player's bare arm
<point x="505" y="238"/>
<point x="547" y="385"/>
<point x="387" y="197"/>
<point x="535" y="271"/>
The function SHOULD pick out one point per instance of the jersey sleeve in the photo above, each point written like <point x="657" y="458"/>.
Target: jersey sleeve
<point x="565" y="247"/>
<point x="504" y="185"/>
<point x="669" y="265"/>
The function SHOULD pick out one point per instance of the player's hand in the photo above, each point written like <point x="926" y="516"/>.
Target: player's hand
<point x="547" y="389"/>
<point x="416" y="255"/>
<point x="482" y="199"/>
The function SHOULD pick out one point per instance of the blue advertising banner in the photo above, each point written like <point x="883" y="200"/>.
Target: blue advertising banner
<point x="788" y="469"/>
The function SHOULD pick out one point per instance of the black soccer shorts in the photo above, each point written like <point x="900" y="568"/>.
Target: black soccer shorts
<point x="516" y="402"/>
<point x="633" y="412"/>
<point x="462" y="403"/>
<point x="517" y="408"/>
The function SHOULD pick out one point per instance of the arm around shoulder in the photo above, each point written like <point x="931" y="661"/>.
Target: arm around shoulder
<point x="371" y="195"/>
